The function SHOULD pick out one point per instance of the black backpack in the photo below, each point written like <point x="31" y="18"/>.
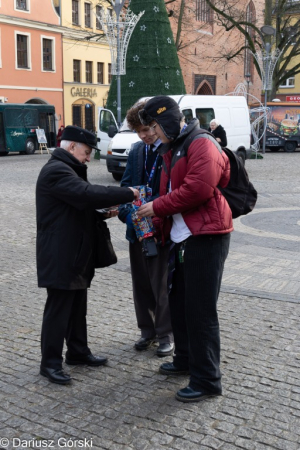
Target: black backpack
<point x="240" y="192"/>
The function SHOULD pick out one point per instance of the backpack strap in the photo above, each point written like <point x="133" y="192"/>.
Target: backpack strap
<point x="198" y="132"/>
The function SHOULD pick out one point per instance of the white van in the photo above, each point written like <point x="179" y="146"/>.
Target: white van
<point x="231" y="111"/>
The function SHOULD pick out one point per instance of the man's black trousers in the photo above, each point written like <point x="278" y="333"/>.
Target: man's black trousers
<point x="150" y="293"/>
<point x="193" y="305"/>
<point x="64" y="318"/>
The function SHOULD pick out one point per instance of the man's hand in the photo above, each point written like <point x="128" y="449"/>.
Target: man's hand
<point x="136" y="193"/>
<point x="111" y="213"/>
<point x="146" y="210"/>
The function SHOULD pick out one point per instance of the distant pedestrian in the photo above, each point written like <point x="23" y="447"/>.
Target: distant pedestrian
<point x="192" y="207"/>
<point x="149" y="275"/>
<point x="218" y="131"/>
<point x="66" y="234"/>
<point x="59" y="135"/>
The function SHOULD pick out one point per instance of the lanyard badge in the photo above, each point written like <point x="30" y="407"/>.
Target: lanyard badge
<point x="153" y="167"/>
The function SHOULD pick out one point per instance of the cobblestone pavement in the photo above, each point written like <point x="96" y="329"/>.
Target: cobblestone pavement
<point x="128" y="405"/>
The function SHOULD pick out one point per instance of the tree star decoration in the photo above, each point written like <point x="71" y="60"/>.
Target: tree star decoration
<point x="158" y="61"/>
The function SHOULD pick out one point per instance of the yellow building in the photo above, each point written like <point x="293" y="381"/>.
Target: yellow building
<point x="289" y="91"/>
<point x="86" y="62"/>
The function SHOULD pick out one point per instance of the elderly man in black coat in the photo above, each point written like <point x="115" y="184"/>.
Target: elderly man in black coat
<point x="66" y="232"/>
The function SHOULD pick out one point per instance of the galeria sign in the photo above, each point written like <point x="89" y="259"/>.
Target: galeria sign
<point x="83" y="92"/>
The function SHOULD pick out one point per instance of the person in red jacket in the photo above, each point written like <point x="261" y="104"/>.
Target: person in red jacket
<point x="192" y="210"/>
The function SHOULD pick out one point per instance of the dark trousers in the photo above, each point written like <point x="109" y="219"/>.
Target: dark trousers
<point x="64" y="318"/>
<point x="150" y="293"/>
<point x="193" y="305"/>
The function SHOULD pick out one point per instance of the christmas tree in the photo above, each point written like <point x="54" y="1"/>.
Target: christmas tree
<point x="152" y="65"/>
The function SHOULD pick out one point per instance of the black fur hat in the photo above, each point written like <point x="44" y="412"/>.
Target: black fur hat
<point x="165" y="111"/>
<point x="77" y="134"/>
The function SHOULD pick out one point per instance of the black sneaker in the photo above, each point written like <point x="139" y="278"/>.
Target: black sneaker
<point x="189" y="395"/>
<point x="166" y="349"/>
<point x="88" y="360"/>
<point x="170" y="369"/>
<point x="144" y="343"/>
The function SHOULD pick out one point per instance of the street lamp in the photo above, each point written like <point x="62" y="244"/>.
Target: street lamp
<point x="267" y="30"/>
<point x="248" y="78"/>
<point x="266" y="59"/>
<point x="118" y="5"/>
<point x="118" y="35"/>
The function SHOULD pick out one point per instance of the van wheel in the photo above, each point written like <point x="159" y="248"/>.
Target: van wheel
<point x="242" y="156"/>
<point x="290" y="147"/>
<point x="117" y="176"/>
<point x="30" y="147"/>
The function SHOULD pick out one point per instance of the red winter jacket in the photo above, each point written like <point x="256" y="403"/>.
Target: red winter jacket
<point x="195" y="175"/>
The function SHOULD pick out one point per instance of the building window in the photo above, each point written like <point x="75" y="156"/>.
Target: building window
<point x="22" y="4"/>
<point x="87" y="15"/>
<point x="109" y="73"/>
<point x="98" y="13"/>
<point x="75" y="14"/>
<point x="76" y="113"/>
<point x="47" y="54"/>
<point x="88" y="71"/>
<point x="22" y="51"/>
<point x="100" y="78"/>
<point x="83" y="114"/>
<point x="204" y="13"/>
<point x="288" y="83"/>
<point x="204" y="84"/>
<point x="76" y="70"/>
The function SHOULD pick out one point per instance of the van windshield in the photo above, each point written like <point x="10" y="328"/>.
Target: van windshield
<point x="124" y="127"/>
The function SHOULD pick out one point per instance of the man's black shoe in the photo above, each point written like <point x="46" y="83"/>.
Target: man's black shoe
<point x="55" y="375"/>
<point x="170" y="369"/>
<point x="88" y="360"/>
<point x="165" y="349"/>
<point x="188" y="395"/>
<point x="144" y="343"/>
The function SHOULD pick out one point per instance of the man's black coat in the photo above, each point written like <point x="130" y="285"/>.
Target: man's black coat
<point x="66" y="220"/>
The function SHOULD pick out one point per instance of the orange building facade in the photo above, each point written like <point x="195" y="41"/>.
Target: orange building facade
<point x="205" y="45"/>
<point x="31" y="66"/>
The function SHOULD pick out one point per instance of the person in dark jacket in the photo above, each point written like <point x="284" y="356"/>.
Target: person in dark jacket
<point x="66" y="206"/>
<point x="149" y="275"/>
<point x="200" y="222"/>
<point x="218" y="131"/>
